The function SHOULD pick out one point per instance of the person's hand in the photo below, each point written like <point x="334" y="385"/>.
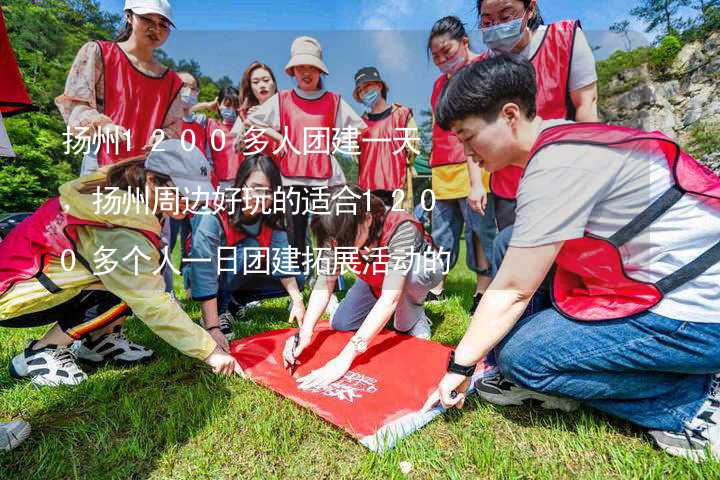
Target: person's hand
<point x="297" y="312"/>
<point x="291" y="352"/>
<point x="331" y="372"/>
<point x="220" y="339"/>
<point x="477" y="200"/>
<point x="222" y="363"/>
<point x="114" y="133"/>
<point x="450" y="392"/>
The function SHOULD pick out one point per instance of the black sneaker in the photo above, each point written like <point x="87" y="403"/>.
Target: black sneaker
<point x="499" y="390"/>
<point x="476" y="302"/>
<point x="49" y="366"/>
<point x="700" y="437"/>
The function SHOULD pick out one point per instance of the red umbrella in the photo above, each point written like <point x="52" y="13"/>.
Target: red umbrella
<point x="13" y="94"/>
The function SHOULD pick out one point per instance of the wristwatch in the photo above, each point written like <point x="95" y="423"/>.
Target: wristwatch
<point x="459" y="369"/>
<point x="359" y="344"/>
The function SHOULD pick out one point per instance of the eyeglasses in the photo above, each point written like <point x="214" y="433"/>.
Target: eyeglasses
<point x="163" y="25"/>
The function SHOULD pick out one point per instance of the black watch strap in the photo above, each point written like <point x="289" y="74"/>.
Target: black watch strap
<point x="459" y="369"/>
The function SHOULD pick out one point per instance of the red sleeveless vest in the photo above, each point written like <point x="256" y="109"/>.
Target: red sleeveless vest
<point x="298" y="114"/>
<point x="552" y="63"/>
<point x="379" y="167"/>
<point x="45" y="234"/>
<point x="393" y="219"/>
<point x="225" y="161"/>
<point x="446" y="148"/>
<point x="133" y="100"/>
<point x="590" y="281"/>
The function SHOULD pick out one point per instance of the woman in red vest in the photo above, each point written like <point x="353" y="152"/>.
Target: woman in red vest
<point x="86" y="260"/>
<point x="389" y="145"/>
<point x="260" y="265"/>
<point x="118" y="95"/>
<point x="396" y="265"/>
<point x="630" y="224"/>
<point x="306" y="112"/>
<point x="566" y="76"/>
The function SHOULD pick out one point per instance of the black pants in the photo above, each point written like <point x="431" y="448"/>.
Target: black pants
<point x="81" y="315"/>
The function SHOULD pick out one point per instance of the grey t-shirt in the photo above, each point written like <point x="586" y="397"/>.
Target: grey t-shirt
<point x="567" y="190"/>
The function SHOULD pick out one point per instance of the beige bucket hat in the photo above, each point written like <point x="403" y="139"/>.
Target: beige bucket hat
<point x="306" y="51"/>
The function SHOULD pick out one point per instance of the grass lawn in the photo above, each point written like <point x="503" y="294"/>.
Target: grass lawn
<point x="172" y="418"/>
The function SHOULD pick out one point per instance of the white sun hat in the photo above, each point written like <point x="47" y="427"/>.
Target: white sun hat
<point x="143" y="7"/>
<point x="306" y="51"/>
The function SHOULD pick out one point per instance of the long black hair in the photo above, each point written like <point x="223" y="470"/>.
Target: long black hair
<point x="265" y="165"/>
<point x="450" y="25"/>
<point x="534" y="22"/>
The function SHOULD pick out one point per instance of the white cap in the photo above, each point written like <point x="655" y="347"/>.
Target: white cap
<point x="143" y="7"/>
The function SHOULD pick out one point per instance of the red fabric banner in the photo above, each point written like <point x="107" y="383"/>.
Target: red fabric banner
<point x="378" y="401"/>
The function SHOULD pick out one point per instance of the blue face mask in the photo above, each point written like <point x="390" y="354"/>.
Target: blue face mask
<point x="228" y="114"/>
<point x="504" y="37"/>
<point x="370" y="98"/>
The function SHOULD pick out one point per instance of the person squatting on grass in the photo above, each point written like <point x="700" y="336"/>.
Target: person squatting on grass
<point x="380" y="240"/>
<point x="120" y="89"/>
<point x="255" y="229"/>
<point x="449" y="46"/>
<point x="633" y="237"/>
<point x="58" y="269"/>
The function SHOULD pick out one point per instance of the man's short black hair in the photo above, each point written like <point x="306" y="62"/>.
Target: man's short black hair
<point x="484" y="87"/>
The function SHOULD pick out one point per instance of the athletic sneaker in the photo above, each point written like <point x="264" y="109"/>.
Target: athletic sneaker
<point x="499" y="390"/>
<point x="700" y="437"/>
<point x="49" y="366"/>
<point x="13" y="434"/>
<point x="114" y="346"/>
<point x="476" y="302"/>
<point x="225" y="322"/>
<point x="422" y="328"/>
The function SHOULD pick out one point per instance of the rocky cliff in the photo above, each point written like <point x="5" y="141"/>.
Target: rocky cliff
<point x="683" y="101"/>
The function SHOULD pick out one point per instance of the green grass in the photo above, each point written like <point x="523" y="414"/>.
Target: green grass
<point x="171" y="418"/>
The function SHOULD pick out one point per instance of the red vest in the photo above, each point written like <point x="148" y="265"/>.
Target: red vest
<point x="393" y="219"/>
<point x="552" y="64"/>
<point x="379" y="167"/>
<point x="45" y="234"/>
<point x="298" y="114"/>
<point x="225" y="160"/>
<point x="446" y="148"/>
<point x="133" y="100"/>
<point x="590" y="281"/>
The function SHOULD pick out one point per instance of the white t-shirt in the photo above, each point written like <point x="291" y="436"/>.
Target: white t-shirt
<point x="567" y="190"/>
<point x="582" y="65"/>
<point x="5" y="147"/>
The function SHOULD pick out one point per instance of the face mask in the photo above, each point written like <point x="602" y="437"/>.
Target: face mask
<point x="370" y="99"/>
<point x="188" y="98"/>
<point x="228" y="114"/>
<point x="504" y="37"/>
<point x="453" y="65"/>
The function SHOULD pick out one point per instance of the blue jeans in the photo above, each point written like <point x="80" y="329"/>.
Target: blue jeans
<point x="448" y="219"/>
<point x="651" y="370"/>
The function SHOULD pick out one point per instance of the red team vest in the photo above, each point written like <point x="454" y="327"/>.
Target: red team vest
<point x="379" y="167"/>
<point x="446" y="148"/>
<point x="590" y="280"/>
<point x="393" y="219"/>
<point x="298" y="114"/>
<point x="552" y="63"/>
<point x="45" y="234"/>
<point x="133" y="100"/>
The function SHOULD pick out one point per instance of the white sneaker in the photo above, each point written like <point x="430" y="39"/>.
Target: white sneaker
<point x="113" y="346"/>
<point x="332" y="306"/>
<point x="422" y="328"/>
<point x="499" y="390"/>
<point x="225" y="322"/>
<point x="49" y="366"/>
<point x="13" y="434"/>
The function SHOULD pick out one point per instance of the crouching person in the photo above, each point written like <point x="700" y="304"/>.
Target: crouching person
<point x="86" y="259"/>
<point x="631" y="224"/>
<point x="261" y="264"/>
<point x="396" y="265"/>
